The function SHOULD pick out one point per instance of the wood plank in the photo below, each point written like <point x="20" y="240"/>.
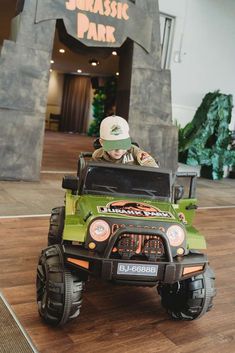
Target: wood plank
<point x="121" y="318"/>
<point x="61" y="150"/>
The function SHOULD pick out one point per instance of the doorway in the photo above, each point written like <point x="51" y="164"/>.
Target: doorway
<point x="78" y="74"/>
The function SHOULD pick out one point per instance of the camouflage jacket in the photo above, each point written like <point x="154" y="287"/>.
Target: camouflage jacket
<point x="133" y="156"/>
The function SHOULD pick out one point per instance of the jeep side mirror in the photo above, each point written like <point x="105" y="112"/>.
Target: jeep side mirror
<point x="178" y="192"/>
<point x="70" y="182"/>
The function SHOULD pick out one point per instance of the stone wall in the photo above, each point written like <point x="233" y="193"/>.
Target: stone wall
<point x="150" y="113"/>
<point x="24" y="75"/>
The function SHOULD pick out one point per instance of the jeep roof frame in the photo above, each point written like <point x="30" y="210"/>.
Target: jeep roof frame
<point x="85" y="159"/>
<point x="92" y="164"/>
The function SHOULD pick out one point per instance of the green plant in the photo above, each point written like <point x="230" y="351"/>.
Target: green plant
<point x="103" y="102"/>
<point x="205" y="140"/>
<point x="98" y="111"/>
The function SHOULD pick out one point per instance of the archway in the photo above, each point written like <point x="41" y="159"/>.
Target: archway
<point x="25" y="69"/>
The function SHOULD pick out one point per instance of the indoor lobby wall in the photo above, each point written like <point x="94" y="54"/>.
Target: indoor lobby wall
<point x="55" y="93"/>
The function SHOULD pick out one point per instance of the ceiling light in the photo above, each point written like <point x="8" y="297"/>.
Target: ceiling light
<point x="62" y="51"/>
<point x="114" y="52"/>
<point x="79" y="71"/>
<point x="93" y="62"/>
<point x="52" y="61"/>
<point x="117" y="73"/>
<point x="51" y="70"/>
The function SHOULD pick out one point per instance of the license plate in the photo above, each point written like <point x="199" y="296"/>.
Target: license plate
<point x="137" y="269"/>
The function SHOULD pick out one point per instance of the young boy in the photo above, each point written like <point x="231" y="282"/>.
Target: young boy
<point x="116" y="144"/>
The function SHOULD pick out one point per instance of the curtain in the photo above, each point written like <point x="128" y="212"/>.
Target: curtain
<point x="75" y="104"/>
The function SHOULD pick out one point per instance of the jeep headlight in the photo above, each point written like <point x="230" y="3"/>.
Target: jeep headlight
<point x="99" y="230"/>
<point x="175" y="235"/>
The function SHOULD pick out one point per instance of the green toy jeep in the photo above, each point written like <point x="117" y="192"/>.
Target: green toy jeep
<point x="130" y="225"/>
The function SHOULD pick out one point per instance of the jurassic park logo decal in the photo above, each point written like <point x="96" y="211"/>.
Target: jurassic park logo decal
<point x="136" y="209"/>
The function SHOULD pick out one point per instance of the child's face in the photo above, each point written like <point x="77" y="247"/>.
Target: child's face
<point x="116" y="154"/>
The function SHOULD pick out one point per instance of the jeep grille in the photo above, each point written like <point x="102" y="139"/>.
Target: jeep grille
<point x="138" y="246"/>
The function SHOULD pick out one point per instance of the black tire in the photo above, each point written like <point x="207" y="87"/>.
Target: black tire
<point x="56" y="228"/>
<point x="189" y="299"/>
<point x="59" y="291"/>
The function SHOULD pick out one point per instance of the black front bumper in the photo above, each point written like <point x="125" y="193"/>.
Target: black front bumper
<point x="106" y="268"/>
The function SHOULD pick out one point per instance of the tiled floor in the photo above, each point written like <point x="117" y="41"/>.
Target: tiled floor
<point x="36" y="198"/>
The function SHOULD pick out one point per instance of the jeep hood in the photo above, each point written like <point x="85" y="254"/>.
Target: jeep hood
<point x="122" y="207"/>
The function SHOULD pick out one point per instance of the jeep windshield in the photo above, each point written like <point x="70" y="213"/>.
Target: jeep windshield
<point x="127" y="180"/>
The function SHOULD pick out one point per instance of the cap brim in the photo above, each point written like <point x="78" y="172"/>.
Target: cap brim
<point x="124" y="144"/>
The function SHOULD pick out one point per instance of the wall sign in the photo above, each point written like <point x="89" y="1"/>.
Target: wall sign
<point x="99" y="23"/>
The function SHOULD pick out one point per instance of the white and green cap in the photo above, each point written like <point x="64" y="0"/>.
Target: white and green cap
<point x="114" y="131"/>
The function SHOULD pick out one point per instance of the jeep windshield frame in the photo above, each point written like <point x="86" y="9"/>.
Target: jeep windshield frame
<point x="125" y="180"/>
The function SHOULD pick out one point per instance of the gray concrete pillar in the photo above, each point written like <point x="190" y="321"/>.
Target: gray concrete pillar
<point x="150" y="113"/>
<point x="24" y="75"/>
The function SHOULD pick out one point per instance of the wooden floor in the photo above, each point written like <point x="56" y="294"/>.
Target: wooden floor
<point x="61" y="150"/>
<point x="121" y="319"/>
<point x="117" y="319"/>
